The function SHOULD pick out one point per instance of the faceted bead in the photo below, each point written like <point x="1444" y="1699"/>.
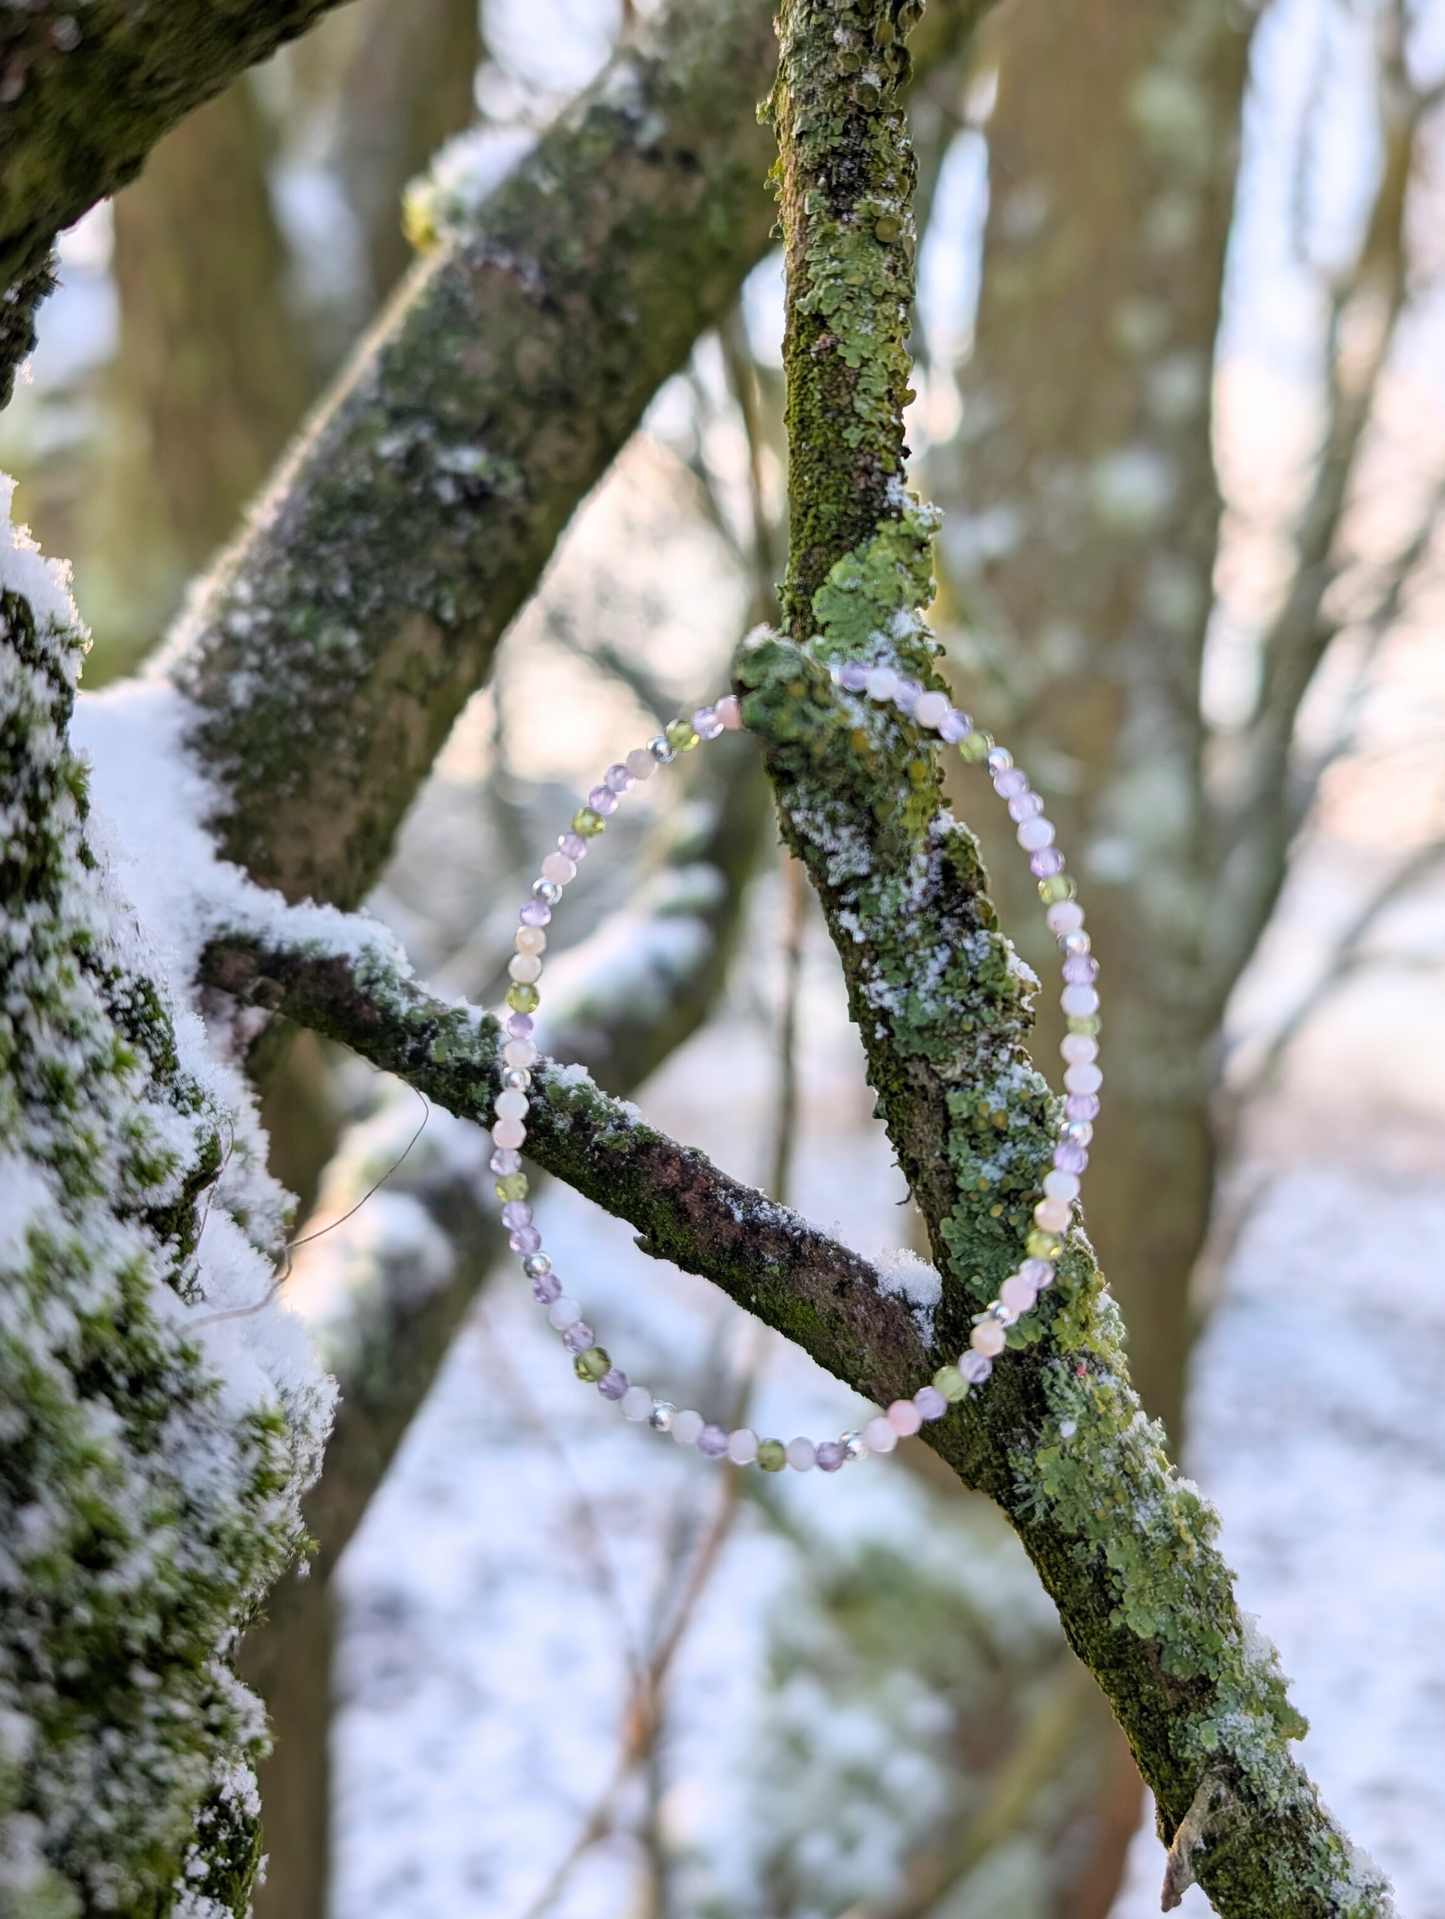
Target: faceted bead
<point x="602" y="800"/>
<point x="974" y="1367"/>
<point x="1011" y="781"/>
<point x="530" y="939"/>
<point x="545" y="1288"/>
<point x="949" y="1381"/>
<point x="1017" y="1294"/>
<point x="513" y="1186"/>
<point x="1080" y="969"/>
<point x="881" y="684"/>
<point x="662" y="1415"/>
<point x="578" y="1338"/>
<point x="612" y="1385"/>
<point x="1057" y="887"/>
<point x="1089" y="1024"/>
<point x="594" y="1365"/>
<point x="907" y="693"/>
<point x="999" y="760"/>
<point x="802" y="1455"/>
<point x="526" y="1239"/>
<point x="706" y="724"/>
<point x="1066" y="917"/>
<point x="525" y="966"/>
<point x="535" y="1264"/>
<point x="988" y="1338"/>
<point x="510" y="1105"/>
<point x="1078" y="1132"/>
<point x="516" y="1079"/>
<point x="1053" y="1215"/>
<point x="955" y="726"/>
<point x="663" y="753"/>
<point x="520" y="1053"/>
<point x="712" y="1442"/>
<point x="640" y="763"/>
<point x="772" y="1455"/>
<point x="1076" y="1106"/>
<point x="743" y="1446"/>
<point x="1061" y="1186"/>
<point x="617" y="779"/>
<point x="730" y="712"/>
<point x="573" y="845"/>
<point x="1084" y="1079"/>
<point x="686" y="1427"/>
<point x="976" y="746"/>
<point x="879" y="1436"/>
<point x="1079" y="1049"/>
<point x="1075" y="943"/>
<point x="523" y="997"/>
<point x="1080" y="1000"/>
<point x="508" y="1132"/>
<point x="516" y="1212"/>
<point x="548" y="891"/>
<point x="587" y="823"/>
<point x="520" y="1025"/>
<point x="854" y="1445"/>
<point x="1038" y="1272"/>
<point x="930" y="709"/>
<point x="930" y="1402"/>
<point x="853" y="676"/>
<point x="1025" y="806"/>
<point x="680" y="736"/>
<point x="1042" y="1245"/>
<point x="829" y="1456"/>
<point x="559" y="869"/>
<point x="1047" y="861"/>
<point x="904" y="1417"/>
<point x="535" y="913"/>
<point x="1035" y="833"/>
<point x="564" y="1312"/>
<point x="505" y="1160"/>
<point x="636" y="1404"/>
<point x="1070" y="1158"/>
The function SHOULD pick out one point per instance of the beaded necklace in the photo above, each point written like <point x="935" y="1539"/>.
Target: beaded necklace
<point x="1053" y="1214"/>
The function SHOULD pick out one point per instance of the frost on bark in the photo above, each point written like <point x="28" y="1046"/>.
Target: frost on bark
<point x="151" y="1463"/>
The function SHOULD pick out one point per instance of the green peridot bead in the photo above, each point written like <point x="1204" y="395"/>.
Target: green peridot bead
<point x="680" y="736"/>
<point x="587" y="823"/>
<point x="976" y="745"/>
<point x="1058" y="886"/>
<point x="1041" y="1245"/>
<point x="513" y="1186"/>
<point x="949" y="1381"/>
<point x="772" y="1455"/>
<point x="592" y="1365"/>
<point x="1089" y="1024"/>
<point x="523" y="998"/>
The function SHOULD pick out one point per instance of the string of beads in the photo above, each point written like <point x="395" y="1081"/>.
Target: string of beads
<point x="1053" y="1214"/>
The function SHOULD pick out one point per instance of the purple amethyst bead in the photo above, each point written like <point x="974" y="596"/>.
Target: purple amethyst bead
<point x="908" y="695"/>
<point x="830" y="1455"/>
<point x="573" y="845"/>
<point x="1082" y="1106"/>
<point x="516" y="1213"/>
<point x="1038" y="1272"/>
<point x="1069" y="1158"/>
<point x="545" y="1288"/>
<point x="578" y="1338"/>
<point x="853" y="676"/>
<point x="602" y="799"/>
<point x="535" y="913"/>
<point x="974" y="1367"/>
<point x="618" y="779"/>
<point x="526" y="1239"/>
<point x="930" y="1402"/>
<point x="505" y="1160"/>
<point x="1046" y="862"/>
<point x="1011" y="782"/>
<point x="712" y="1442"/>
<point x="520" y="1025"/>
<point x="954" y="726"/>
<point x="1081" y="969"/>
<point x="612" y="1385"/>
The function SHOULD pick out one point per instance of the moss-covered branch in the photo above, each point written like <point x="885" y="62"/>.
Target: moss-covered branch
<point x="87" y="91"/>
<point x="333" y="647"/>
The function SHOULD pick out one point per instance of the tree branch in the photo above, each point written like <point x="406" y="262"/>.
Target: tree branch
<point x="87" y="92"/>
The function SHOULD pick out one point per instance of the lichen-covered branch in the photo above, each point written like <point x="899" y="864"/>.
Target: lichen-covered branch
<point x="87" y="91"/>
<point x="1057" y="1436"/>
<point x="332" y="648"/>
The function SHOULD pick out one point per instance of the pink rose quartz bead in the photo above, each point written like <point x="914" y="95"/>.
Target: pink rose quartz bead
<point x="1053" y="1215"/>
<point x="930" y="709"/>
<point x="559" y="869"/>
<point x="904" y="1417"/>
<point x="1079" y="1049"/>
<point x="802" y="1455"/>
<point x="508" y="1132"/>
<point x="510" y="1105"/>
<point x="743" y="1446"/>
<point x="1061" y="1185"/>
<point x="878" y="1435"/>
<point x="988" y="1338"/>
<point x="1067" y="916"/>
<point x="730" y="713"/>
<point x="525" y="967"/>
<point x="640" y="764"/>
<point x="1017" y="1294"/>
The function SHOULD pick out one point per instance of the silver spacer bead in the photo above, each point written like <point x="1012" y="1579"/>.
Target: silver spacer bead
<point x="662" y="1415"/>
<point x="852" y="1444"/>
<point x="546" y="890"/>
<point x="660" y="750"/>
<point x="516" y="1079"/>
<point x="535" y="1265"/>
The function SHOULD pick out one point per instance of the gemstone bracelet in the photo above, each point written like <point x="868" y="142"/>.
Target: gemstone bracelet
<point x="1052" y="1215"/>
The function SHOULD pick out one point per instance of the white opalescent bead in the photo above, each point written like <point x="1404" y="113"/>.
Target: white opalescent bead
<point x="879" y="1436"/>
<point x="510" y="1105"/>
<point x="686" y="1427"/>
<point x="1079" y="1001"/>
<point x="640" y="764"/>
<point x="931" y="709"/>
<point x="1067" y="916"/>
<point x="743" y="1446"/>
<point x="525" y="967"/>
<point x="802" y="1455"/>
<point x="1083" y="1079"/>
<point x="1034" y="834"/>
<point x="559" y="869"/>
<point x="1079" y="1048"/>
<point x="1061" y="1185"/>
<point x="881" y="683"/>
<point x="520" y="1052"/>
<point x="508" y="1132"/>
<point x="636" y="1404"/>
<point x="564" y="1312"/>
